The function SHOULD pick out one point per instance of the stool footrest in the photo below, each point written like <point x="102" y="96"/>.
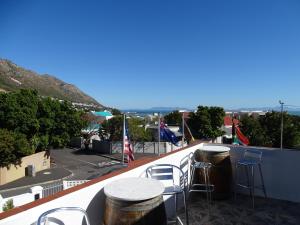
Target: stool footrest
<point x="206" y="188"/>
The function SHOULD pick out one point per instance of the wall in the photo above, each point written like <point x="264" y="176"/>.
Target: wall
<point x="41" y="161"/>
<point x="22" y="199"/>
<point x="280" y="169"/>
<point x="91" y="198"/>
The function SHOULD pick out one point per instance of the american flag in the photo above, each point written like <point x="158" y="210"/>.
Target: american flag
<point x="127" y="145"/>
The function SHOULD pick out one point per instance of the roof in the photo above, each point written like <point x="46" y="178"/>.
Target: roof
<point x="102" y="113"/>
<point x="228" y="121"/>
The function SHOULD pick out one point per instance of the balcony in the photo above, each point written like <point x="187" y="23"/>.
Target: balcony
<point x="281" y="172"/>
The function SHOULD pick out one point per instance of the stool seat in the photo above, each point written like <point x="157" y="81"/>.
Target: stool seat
<point x="199" y="165"/>
<point x="247" y="162"/>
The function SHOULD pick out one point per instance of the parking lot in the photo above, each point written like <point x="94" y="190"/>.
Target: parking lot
<point x="84" y="165"/>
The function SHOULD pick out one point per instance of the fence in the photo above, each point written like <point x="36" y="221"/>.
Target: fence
<point x="72" y="183"/>
<point x="52" y="189"/>
<point x="145" y="147"/>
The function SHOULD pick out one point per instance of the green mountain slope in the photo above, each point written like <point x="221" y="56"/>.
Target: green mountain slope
<point x="13" y="77"/>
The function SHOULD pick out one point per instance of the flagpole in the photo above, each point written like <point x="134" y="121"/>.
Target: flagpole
<point x="158" y="129"/>
<point x="182" y="129"/>
<point x="124" y="133"/>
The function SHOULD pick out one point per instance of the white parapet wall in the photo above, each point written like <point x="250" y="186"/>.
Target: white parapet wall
<point x="90" y="198"/>
<point x="280" y="169"/>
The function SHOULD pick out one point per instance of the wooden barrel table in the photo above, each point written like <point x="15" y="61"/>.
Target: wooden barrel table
<point x="220" y="173"/>
<point x="135" y="201"/>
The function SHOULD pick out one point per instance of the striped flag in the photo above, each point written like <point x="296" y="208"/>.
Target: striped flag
<point x="127" y="145"/>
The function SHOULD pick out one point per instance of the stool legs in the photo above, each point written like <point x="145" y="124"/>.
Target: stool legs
<point x="250" y="180"/>
<point x="207" y="185"/>
<point x="262" y="181"/>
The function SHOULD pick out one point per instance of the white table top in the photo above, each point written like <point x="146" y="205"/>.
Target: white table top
<point x="134" y="189"/>
<point x="217" y="148"/>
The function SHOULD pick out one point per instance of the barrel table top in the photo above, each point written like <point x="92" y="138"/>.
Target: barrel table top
<point x="134" y="189"/>
<point x="211" y="148"/>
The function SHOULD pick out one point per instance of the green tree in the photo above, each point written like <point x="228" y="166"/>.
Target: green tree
<point x="251" y="128"/>
<point x="206" y="122"/>
<point x="18" y="111"/>
<point x="116" y="112"/>
<point x="137" y="130"/>
<point x="114" y="127"/>
<point x="173" y="118"/>
<point x="266" y="130"/>
<point x="13" y="146"/>
<point x="271" y="123"/>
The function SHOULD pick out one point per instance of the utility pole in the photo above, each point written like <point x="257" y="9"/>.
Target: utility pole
<point x="158" y="131"/>
<point x="281" y="131"/>
<point x="124" y="133"/>
<point x="182" y="130"/>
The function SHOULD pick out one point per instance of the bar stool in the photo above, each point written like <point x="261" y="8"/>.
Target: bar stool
<point x="252" y="158"/>
<point x="206" y="187"/>
<point x="48" y="218"/>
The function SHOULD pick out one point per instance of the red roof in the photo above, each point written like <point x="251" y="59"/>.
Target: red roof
<point x="228" y="121"/>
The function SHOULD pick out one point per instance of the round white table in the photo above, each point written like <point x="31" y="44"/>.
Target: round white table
<point x="134" y="189"/>
<point x="134" y="201"/>
<point x="216" y="148"/>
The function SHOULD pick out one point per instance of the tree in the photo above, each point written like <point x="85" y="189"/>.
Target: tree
<point x="266" y="130"/>
<point x="13" y="146"/>
<point x="116" y="112"/>
<point x="114" y="127"/>
<point x="173" y="118"/>
<point x="18" y="112"/>
<point x="251" y="128"/>
<point x="206" y="122"/>
<point x="271" y="123"/>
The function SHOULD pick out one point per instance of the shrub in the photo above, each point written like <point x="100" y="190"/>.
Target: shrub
<point x="9" y="204"/>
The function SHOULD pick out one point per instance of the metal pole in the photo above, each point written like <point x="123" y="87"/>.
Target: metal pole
<point x="158" y="129"/>
<point x="124" y="133"/>
<point x="281" y="131"/>
<point x="182" y="129"/>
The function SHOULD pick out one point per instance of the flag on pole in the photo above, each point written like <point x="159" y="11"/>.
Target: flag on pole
<point x="127" y="145"/>
<point x="167" y="135"/>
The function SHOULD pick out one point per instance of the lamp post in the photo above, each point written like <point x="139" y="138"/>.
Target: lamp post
<point x="281" y="131"/>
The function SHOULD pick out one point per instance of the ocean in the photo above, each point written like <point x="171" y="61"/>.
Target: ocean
<point x="296" y="113"/>
<point x="145" y="112"/>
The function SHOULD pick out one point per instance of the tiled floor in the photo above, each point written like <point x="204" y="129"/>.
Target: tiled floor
<point x="230" y="212"/>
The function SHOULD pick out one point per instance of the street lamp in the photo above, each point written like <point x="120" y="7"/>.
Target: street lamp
<point x="281" y="132"/>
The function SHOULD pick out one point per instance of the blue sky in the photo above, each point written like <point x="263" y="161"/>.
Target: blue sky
<point x="144" y="53"/>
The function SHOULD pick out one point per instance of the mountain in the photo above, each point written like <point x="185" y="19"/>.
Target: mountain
<point x="13" y="77"/>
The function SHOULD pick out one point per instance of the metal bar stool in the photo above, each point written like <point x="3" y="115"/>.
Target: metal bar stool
<point x="46" y="217"/>
<point x="252" y="158"/>
<point x="206" y="187"/>
<point x="167" y="172"/>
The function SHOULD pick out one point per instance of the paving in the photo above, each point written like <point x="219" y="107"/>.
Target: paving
<point x="68" y="164"/>
<point x="240" y="212"/>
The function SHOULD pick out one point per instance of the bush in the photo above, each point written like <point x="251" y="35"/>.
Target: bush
<point x="8" y="205"/>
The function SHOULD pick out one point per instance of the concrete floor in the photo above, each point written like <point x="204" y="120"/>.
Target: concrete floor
<point x="230" y="212"/>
